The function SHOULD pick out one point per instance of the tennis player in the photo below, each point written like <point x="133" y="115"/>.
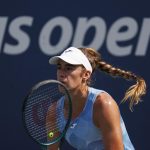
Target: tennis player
<point x="96" y="121"/>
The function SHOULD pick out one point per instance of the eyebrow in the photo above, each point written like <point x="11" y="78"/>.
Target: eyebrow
<point x="68" y="65"/>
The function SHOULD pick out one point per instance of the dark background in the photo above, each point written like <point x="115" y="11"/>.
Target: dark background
<point x="19" y="72"/>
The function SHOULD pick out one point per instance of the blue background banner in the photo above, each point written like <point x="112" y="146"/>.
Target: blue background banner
<point x="33" y="31"/>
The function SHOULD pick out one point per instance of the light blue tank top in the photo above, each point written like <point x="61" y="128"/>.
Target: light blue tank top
<point x="84" y="135"/>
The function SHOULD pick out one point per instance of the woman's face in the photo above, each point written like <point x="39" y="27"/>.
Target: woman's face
<point x="72" y="76"/>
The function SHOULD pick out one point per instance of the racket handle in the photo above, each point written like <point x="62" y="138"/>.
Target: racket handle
<point x="44" y="147"/>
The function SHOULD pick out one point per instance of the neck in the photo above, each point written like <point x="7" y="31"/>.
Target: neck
<point x="79" y="98"/>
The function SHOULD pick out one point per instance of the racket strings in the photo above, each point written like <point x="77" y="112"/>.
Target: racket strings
<point x="39" y="96"/>
<point x="49" y="126"/>
<point x="40" y="134"/>
<point x="43" y="133"/>
<point x="38" y="105"/>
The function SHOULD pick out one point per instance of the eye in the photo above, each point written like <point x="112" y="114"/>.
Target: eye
<point x="58" y="66"/>
<point x="68" y="68"/>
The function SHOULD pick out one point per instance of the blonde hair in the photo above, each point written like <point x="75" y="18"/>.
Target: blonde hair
<point x="134" y="93"/>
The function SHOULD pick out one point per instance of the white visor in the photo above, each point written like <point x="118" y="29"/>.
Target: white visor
<point x="72" y="56"/>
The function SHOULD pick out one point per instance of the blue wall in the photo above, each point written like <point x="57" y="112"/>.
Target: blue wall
<point x="33" y="31"/>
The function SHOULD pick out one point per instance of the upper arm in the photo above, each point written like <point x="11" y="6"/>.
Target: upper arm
<point x="106" y="116"/>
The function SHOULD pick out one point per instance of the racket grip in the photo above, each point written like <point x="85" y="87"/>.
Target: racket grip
<point x="44" y="147"/>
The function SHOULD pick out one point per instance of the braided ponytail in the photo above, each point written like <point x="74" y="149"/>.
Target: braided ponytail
<point x="134" y="93"/>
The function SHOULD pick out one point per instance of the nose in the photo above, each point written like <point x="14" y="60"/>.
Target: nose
<point x="61" y="74"/>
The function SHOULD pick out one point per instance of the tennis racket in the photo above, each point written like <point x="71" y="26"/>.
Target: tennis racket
<point x="44" y="117"/>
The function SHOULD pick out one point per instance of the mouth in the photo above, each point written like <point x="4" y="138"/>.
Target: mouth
<point x="61" y="81"/>
<point x="64" y="83"/>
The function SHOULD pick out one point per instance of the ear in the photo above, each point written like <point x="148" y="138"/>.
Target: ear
<point x="86" y="75"/>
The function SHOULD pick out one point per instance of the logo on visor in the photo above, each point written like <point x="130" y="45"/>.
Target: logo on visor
<point x="68" y="50"/>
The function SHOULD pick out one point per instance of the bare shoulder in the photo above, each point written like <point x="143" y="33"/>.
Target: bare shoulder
<point x="104" y="100"/>
<point x="105" y="109"/>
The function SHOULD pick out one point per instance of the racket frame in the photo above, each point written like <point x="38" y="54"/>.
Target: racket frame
<point x="36" y="86"/>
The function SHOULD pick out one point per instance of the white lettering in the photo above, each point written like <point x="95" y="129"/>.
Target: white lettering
<point x="115" y="36"/>
<point x="119" y="37"/>
<point x="23" y="40"/>
<point x="45" y="35"/>
<point x="83" y="26"/>
<point x="3" y="23"/>
<point x="144" y="38"/>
